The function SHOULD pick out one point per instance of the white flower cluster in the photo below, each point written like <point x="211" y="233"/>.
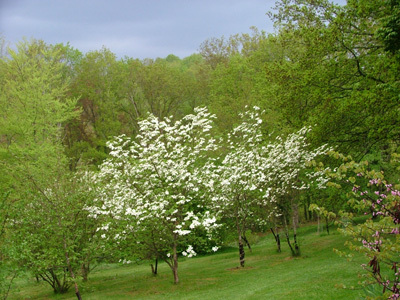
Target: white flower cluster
<point x="152" y="182"/>
<point x="254" y="174"/>
<point x="165" y="181"/>
<point x="189" y="252"/>
<point x="124" y="261"/>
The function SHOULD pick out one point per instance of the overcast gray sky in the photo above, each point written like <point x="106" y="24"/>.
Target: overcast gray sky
<point x="133" y="28"/>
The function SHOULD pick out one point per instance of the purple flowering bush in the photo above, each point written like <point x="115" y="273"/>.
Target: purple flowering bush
<point x="378" y="238"/>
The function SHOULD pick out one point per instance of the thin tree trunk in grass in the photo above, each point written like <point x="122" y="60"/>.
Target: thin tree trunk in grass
<point x="240" y="243"/>
<point x="175" y="261"/>
<point x="71" y="272"/>
<point x="172" y="262"/>
<point x="247" y="242"/>
<point x="295" y="217"/>
<point x="305" y="211"/>
<point x="327" y="224"/>
<point x="295" y="209"/>
<point x="155" y="267"/>
<point x="308" y="212"/>
<point x="296" y="245"/>
<point x="85" y="271"/>
<point x="277" y="238"/>
<point x="287" y="236"/>
<point x="7" y="287"/>
<point x="77" y="293"/>
<point x="241" y="251"/>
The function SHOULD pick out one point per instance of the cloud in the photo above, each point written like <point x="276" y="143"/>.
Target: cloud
<point x="138" y="29"/>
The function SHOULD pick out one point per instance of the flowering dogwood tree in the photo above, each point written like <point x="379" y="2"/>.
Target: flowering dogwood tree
<point x="151" y="186"/>
<point x="254" y="181"/>
<point x="238" y="183"/>
<point x="288" y="161"/>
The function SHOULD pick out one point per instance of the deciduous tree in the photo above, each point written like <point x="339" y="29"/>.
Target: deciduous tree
<point x="151" y="186"/>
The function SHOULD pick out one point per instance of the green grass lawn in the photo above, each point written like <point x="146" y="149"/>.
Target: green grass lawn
<point x="267" y="275"/>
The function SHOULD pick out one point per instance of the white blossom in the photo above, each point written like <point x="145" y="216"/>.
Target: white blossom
<point x="153" y="182"/>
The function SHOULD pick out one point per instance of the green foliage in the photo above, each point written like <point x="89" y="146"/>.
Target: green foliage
<point x="35" y="107"/>
<point x="238" y="78"/>
<point x="51" y="231"/>
<point x="322" y="211"/>
<point x="115" y="95"/>
<point x="34" y="90"/>
<point x="230" y="91"/>
<point x="378" y="238"/>
<point x="333" y="71"/>
<point x="8" y="270"/>
<point x="45" y="220"/>
<point x="390" y="30"/>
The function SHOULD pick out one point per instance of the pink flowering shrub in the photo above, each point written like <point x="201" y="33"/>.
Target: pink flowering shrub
<point x="378" y="238"/>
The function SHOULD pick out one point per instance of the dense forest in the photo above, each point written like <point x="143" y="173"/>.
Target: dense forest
<point x="107" y="160"/>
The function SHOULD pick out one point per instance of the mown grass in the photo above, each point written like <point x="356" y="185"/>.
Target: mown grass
<point x="267" y="275"/>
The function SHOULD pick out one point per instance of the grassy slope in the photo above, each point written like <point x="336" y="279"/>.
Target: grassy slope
<point x="267" y="275"/>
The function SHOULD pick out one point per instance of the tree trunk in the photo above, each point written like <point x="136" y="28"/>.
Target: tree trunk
<point x="247" y="242"/>
<point x="240" y="243"/>
<point x="296" y="245"/>
<point x="241" y="251"/>
<point x="71" y="272"/>
<point x="295" y="218"/>
<point x="327" y="224"/>
<point x="175" y="263"/>
<point x="296" y="250"/>
<point x="175" y="270"/>
<point x="85" y="271"/>
<point x="277" y="238"/>
<point x="306" y="208"/>
<point x="278" y="241"/>
<point x="305" y="211"/>
<point x="287" y="236"/>
<point x="295" y="209"/>
<point x="51" y="277"/>
<point x="154" y="268"/>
